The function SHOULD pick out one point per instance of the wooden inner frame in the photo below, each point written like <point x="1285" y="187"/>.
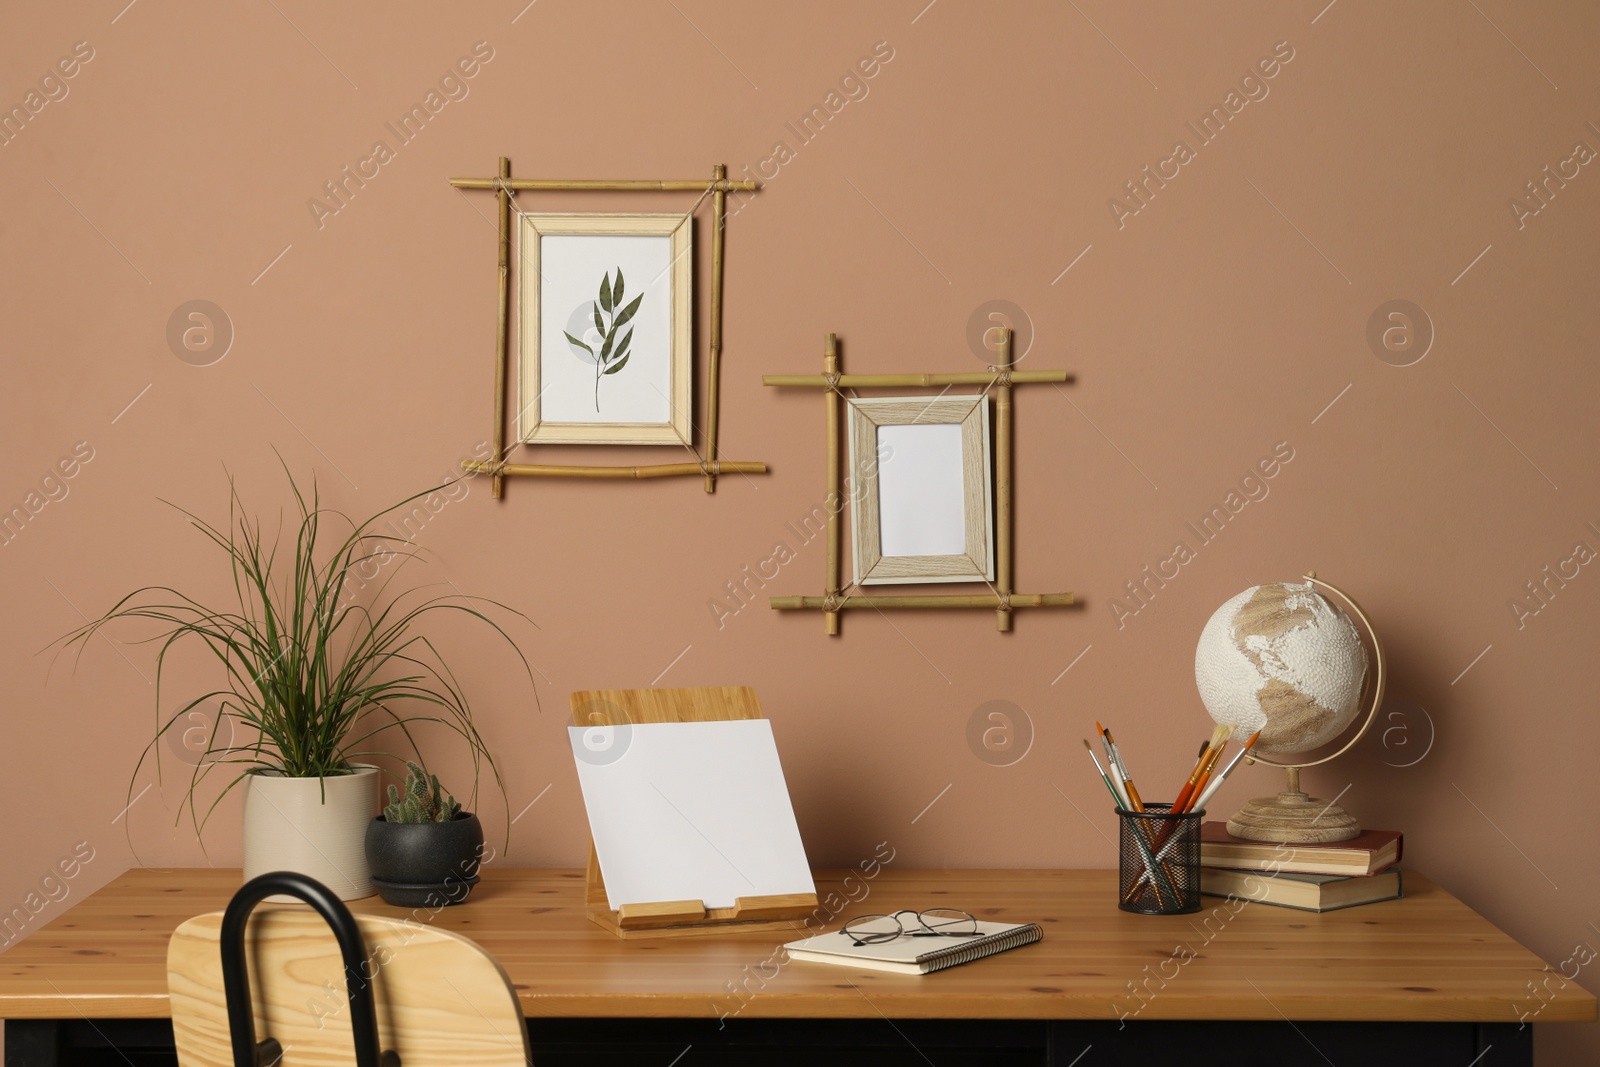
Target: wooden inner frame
<point x="971" y="414"/>
<point x="532" y="429"/>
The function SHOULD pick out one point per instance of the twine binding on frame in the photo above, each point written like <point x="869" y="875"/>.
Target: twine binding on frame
<point x="711" y="187"/>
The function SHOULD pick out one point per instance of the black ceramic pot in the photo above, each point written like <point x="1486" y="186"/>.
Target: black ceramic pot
<point x="425" y="865"/>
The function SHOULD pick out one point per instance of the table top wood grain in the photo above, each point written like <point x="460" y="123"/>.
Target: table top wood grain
<point x="1424" y="958"/>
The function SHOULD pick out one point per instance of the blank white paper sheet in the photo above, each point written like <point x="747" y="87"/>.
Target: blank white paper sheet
<point x="922" y="499"/>
<point x="690" y="811"/>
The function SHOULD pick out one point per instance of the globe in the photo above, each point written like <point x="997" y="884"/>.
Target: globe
<point x="1282" y="659"/>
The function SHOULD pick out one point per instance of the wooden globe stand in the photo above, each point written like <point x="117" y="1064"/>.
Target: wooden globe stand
<point x="1293" y="817"/>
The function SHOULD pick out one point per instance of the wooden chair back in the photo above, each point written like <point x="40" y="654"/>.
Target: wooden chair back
<point x="441" y="1000"/>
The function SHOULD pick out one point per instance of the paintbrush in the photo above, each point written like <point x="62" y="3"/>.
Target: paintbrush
<point x="1188" y="786"/>
<point x="1219" y="740"/>
<point x="1138" y="835"/>
<point x="1216" y="780"/>
<point x="1122" y="768"/>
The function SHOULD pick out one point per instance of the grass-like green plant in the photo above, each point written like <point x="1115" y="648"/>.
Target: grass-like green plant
<point x="314" y="670"/>
<point x="609" y="319"/>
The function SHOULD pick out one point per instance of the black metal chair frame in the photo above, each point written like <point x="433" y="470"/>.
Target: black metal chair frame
<point x="247" y="1051"/>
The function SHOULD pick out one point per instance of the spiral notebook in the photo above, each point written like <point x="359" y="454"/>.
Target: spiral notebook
<point x="914" y="955"/>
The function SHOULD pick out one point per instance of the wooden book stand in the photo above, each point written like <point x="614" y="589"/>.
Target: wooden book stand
<point x="673" y="918"/>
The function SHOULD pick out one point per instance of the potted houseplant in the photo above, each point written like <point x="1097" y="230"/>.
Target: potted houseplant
<point x="319" y="661"/>
<point x="424" y="851"/>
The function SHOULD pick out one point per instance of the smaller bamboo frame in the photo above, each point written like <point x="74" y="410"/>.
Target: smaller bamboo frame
<point x="545" y="185"/>
<point x="1002" y="600"/>
<point x="1002" y="483"/>
<point x="913" y="381"/>
<point x="912" y="600"/>
<point x="833" y="407"/>
<point x="503" y="186"/>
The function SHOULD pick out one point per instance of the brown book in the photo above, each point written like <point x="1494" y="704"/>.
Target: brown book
<point x="1308" y="892"/>
<point x="1367" y="854"/>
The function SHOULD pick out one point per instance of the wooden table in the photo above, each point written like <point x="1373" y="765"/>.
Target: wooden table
<point x="1420" y="980"/>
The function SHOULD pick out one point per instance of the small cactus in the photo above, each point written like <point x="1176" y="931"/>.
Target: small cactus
<point x="423" y="800"/>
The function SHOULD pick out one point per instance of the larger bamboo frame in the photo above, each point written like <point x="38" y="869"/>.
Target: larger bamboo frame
<point x="708" y="467"/>
<point x="1001" y="599"/>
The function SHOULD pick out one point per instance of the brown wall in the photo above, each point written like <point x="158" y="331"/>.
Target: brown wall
<point x="1222" y="318"/>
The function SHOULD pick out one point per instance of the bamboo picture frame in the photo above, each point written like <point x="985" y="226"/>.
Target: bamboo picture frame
<point x="707" y="464"/>
<point x="999" y="380"/>
<point x="547" y="358"/>
<point x="925" y="517"/>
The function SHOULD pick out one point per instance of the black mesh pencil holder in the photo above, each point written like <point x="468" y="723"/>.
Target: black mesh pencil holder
<point x="1160" y="861"/>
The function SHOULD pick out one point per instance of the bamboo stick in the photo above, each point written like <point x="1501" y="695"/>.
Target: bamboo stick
<point x="660" y="470"/>
<point x="832" y="403"/>
<point x="719" y="173"/>
<point x="974" y="600"/>
<point x="888" y="381"/>
<point x="502" y="332"/>
<point x="1002" y="483"/>
<point x="687" y="185"/>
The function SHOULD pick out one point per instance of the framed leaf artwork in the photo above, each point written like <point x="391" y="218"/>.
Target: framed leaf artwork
<point x="923" y="509"/>
<point x="604" y="329"/>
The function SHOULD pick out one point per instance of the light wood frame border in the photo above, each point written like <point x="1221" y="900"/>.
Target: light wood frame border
<point x="971" y="413"/>
<point x="1001" y="378"/>
<point x="708" y="466"/>
<point x="531" y="427"/>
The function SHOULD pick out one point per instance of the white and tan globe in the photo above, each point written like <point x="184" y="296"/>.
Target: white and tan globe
<point x="1282" y="659"/>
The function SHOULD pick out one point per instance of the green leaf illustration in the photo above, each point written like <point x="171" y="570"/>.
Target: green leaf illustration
<point x="613" y="356"/>
<point x="627" y="313"/>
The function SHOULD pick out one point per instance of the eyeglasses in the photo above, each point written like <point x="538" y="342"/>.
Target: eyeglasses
<point x="935" y="922"/>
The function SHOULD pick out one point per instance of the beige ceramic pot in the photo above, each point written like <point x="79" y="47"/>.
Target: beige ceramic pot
<point x="314" y="826"/>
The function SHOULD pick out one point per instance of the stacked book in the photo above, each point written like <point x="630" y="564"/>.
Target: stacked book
<point x="1312" y="877"/>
